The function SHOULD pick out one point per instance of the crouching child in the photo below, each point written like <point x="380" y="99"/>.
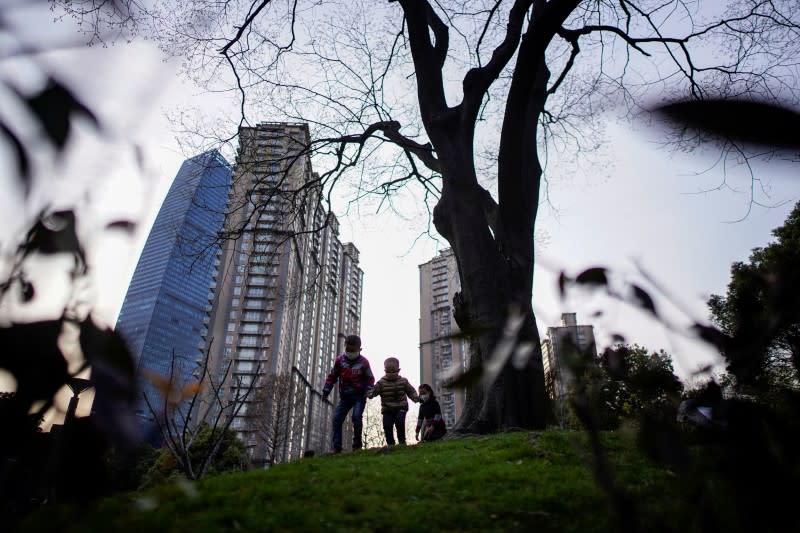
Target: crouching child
<point x="430" y="421"/>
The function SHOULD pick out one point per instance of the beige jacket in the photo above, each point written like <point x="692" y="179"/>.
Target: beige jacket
<point x="393" y="391"/>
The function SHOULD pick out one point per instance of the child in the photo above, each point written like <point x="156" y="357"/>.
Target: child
<point x="430" y="416"/>
<point x="355" y="378"/>
<point x="393" y="390"/>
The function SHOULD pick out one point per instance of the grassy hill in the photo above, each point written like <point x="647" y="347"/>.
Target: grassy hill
<point x="511" y="482"/>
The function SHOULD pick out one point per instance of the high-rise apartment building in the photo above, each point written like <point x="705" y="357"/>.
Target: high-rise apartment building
<point x="162" y="316"/>
<point x="564" y="341"/>
<point x="286" y="293"/>
<point x="441" y="354"/>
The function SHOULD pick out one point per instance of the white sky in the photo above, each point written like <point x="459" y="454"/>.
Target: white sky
<point x="643" y="210"/>
<point x="647" y="210"/>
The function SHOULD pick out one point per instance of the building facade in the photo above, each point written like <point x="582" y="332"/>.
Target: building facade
<point x="562" y="342"/>
<point x="440" y="353"/>
<point x="162" y="316"/>
<point x="286" y="293"/>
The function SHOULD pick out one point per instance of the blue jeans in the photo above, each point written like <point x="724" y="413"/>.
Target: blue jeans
<point x="391" y="420"/>
<point x="357" y="403"/>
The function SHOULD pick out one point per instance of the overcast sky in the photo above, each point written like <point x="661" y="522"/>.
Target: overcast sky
<point x="643" y="210"/>
<point x="647" y="210"/>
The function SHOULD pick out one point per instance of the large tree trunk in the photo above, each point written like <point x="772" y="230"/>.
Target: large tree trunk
<point x="495" y="252"/>
<point x="492" y="242"/>
<point x="491" y="285"/>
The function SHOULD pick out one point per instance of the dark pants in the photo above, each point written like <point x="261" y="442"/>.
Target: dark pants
<point x="356" y="403"/>
<point x="391" y="420"/>
<point x="433" y="430"/>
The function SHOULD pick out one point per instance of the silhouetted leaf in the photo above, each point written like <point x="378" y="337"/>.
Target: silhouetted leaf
<point x="27" y="291"/>
<point x="31" y="353"/>
<point x="643" y="300"/>
<point x="473" y="330"/>
<point x="53" y="106"/>
<point x="562" y="282"/>
<point x="592" y="276"/>
<point x="113" y="373"/>
<point x="23" y="163"/>
<point x="745" y="122"/>
<point x="138" y="154"/>
<point x="712" y="335"/>
<point x="54" y="233"/>
<point x="124" y="225"/>
<point x="465" y="379"/>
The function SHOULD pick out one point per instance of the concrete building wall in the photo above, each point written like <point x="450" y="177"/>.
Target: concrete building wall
<point x="563" y="342"/>
<point x="440" y="353"/>
<point x="275" y="311"/>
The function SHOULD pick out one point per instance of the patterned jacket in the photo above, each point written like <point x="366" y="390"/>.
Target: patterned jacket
<point x="393" y="391"/>
<point x="355" y="377"/>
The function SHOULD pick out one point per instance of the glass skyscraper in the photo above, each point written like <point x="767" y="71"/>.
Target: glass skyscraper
<point x="162" y="317"/>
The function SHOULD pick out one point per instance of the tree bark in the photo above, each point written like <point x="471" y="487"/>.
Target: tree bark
<point x="492" y="243"/>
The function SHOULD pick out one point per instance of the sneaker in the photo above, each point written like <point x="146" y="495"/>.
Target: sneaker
<point x="337" y="450"/>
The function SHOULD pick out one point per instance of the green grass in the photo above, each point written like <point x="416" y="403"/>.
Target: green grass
<point x="511" y="482"/>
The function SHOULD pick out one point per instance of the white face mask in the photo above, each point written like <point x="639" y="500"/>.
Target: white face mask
<point x="424" y="397"/>
<point x="352" y="355"/>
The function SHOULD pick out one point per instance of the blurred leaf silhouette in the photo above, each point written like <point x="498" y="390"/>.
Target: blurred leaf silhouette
<point x="113" y="375"/>
<point x="55" y="107"/>
<point x="23" y="163"/>
<point x="52" y="234"/>
<point x="747" y="122"/>
<point x="123" y="225"/>
<point x="507" y="346"/>
<point x="38" y="466"/>
<point x="592" y="276"/>
<point x="31" y="354"/>
<point x="643" y="299"/>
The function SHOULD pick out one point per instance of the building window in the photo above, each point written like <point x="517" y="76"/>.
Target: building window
<point x="248" y="340"/>
<point x="246" y="353"/>
<point x="252" y="315"/>
<point x="256" y="291"/>
<point x="244" y="366"/>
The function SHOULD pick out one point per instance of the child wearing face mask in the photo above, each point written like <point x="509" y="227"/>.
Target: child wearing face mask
<point x="430" y="420"/>
<point x="393" y="390"/>
<point x="352" y="371"/>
